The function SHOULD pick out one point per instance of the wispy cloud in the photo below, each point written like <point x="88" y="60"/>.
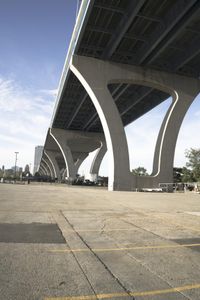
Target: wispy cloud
<point x="197" y="113"/>
<point x="24" y="119"/>
<point x="50" y="92"/>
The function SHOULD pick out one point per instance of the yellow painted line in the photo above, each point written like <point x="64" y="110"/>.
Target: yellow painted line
<point x="133" y="294"/>
<point x="99" y="230"/>
<point x="126" y="248"/>
<point x="111" y="229"/>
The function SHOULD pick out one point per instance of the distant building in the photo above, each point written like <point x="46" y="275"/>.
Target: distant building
<point x="37" y="158"/>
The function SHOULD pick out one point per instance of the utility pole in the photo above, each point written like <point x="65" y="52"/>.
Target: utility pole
<point x="16" y="153"/>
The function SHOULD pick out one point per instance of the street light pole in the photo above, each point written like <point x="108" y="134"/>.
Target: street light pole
<point x="16" y="153"/>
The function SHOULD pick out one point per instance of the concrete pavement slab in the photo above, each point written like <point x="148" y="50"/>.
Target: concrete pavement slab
<point x="89" y="218"/>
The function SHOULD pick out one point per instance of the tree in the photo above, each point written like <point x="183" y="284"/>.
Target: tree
<point x="187" y="175"/>
<point x="193" y="156"/>
<point x="177" y="174"/>
<point x="140" y="171"/>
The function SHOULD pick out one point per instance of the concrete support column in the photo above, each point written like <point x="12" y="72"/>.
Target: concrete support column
<point x="95" y="75"/>
<point x="94" y="78"/>
<point x="41" y="171"/>
<point x="59" y="137"/>
<point x="167" y="138"/>
<point x="44" y="168"/>
<point x="76" y="165"/>
<point x="94" y="170"/>
<point x="52" y="158"/>
<point x="49" y="165"/>
<point x="74" y="147"/>
<point x="63" y="174"/>
<point x="46" y="164"/>
<point x="81" y="158"/>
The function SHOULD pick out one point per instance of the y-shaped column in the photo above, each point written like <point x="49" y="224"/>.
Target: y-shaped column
<point x="166" y="142"/>
<point x="75" y="147"/>
<point x="52" y="158"/>
<point x="95" y="75"/>
<point x="81" y="158"/>
<point x="96" y="87"/>
<point x="59" y="137"/>
<point x="78" y="162"/>
<point x="94" y="170"/>
<point x="167" y="138"/>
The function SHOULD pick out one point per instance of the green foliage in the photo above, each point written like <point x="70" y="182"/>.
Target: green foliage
<point x="187" y="175"/>
<point x="177" y="174"/>
<point x="140" y="171"/>
<point x="193" y="156"/>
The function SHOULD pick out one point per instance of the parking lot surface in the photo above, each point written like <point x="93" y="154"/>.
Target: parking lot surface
<point x="71" y="243"/>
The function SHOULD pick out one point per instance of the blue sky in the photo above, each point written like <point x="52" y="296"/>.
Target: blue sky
<point x="34" y="40"/>
<point x="35" y="35"/>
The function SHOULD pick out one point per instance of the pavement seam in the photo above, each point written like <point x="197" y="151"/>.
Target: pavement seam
<point x="167" y="246"/>
<point x="73" y="254"/>
<point x="99" y="259"/>
<point x="145" y="265"/>
<point x="164" y="221"/>
<point x="154" y="273"/>
<point x="149" y="231"/>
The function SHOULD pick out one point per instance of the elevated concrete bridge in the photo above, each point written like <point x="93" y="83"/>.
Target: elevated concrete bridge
<point x="125" y="58"/>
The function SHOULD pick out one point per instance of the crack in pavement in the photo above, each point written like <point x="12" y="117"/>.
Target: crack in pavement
<point x="99" y="259"/>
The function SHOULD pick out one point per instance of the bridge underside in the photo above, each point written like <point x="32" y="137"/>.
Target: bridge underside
<point x="161" y="35"/>
<point x="75" y="145"/>
<point x="126" y="57"/>
<point x="77" y="112"/>
<point x="66" y="150"/>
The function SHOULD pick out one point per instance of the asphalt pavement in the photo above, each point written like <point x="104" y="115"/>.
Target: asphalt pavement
<point x="62" y="242"/>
